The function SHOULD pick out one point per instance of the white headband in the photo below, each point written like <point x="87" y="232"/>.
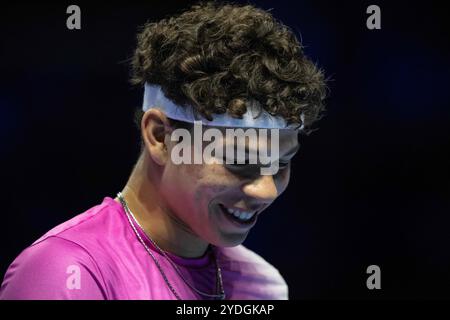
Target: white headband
<point x="254" y="117"/>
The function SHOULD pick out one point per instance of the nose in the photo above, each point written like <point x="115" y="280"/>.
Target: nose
<point x="263" y="189"/>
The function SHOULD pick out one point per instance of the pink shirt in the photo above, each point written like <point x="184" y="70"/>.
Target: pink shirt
<point x="96" y="255"/>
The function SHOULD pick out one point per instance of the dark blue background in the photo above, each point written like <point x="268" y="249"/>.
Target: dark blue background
<point x="372" y="186"/>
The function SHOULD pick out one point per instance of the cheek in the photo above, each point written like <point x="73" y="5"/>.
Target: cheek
<point x="177" y="182"/>
<point x="215" y="183"/>
<point x="213" y="180"/>
<point x="282" y="180"/>
<point x="214" y="174"/>
<point x="191" y="186"/>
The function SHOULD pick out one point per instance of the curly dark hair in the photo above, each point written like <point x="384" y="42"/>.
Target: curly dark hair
<point x="217" y="55"/>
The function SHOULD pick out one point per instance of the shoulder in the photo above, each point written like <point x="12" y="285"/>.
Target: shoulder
<point x="255" y="270"/>
<point x="45" y="269"/>
<point x="54" y="268"/>
<point x="81" y="227"/>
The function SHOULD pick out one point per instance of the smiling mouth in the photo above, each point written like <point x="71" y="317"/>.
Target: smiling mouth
<point x="239" y="216"/>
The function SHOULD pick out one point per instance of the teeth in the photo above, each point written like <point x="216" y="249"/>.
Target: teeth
<point x="242" y="215"/>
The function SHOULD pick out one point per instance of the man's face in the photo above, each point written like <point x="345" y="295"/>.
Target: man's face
<point x="215" y="201"/>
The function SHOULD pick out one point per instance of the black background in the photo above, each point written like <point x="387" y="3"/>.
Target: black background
<point x="371" y="186"/>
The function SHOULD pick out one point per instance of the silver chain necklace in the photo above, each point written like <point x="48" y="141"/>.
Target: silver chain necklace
<point x="219" y="282"/>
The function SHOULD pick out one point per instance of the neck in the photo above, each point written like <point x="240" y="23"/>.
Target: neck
<point x="160" y="223"/>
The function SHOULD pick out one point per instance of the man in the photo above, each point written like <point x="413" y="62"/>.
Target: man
<point x="176" y="229"/>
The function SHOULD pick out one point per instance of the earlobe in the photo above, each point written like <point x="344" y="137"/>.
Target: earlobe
<point x="154" y="126"/>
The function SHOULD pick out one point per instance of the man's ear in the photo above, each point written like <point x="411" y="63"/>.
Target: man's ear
<point x="154" y="126"/>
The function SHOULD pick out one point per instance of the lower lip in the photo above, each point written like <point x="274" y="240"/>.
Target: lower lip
<point x="239" y="224"/>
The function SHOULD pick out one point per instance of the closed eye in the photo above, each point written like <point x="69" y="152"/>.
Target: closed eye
<point x="252" y="170"/>
<point x="283" y="165"/>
